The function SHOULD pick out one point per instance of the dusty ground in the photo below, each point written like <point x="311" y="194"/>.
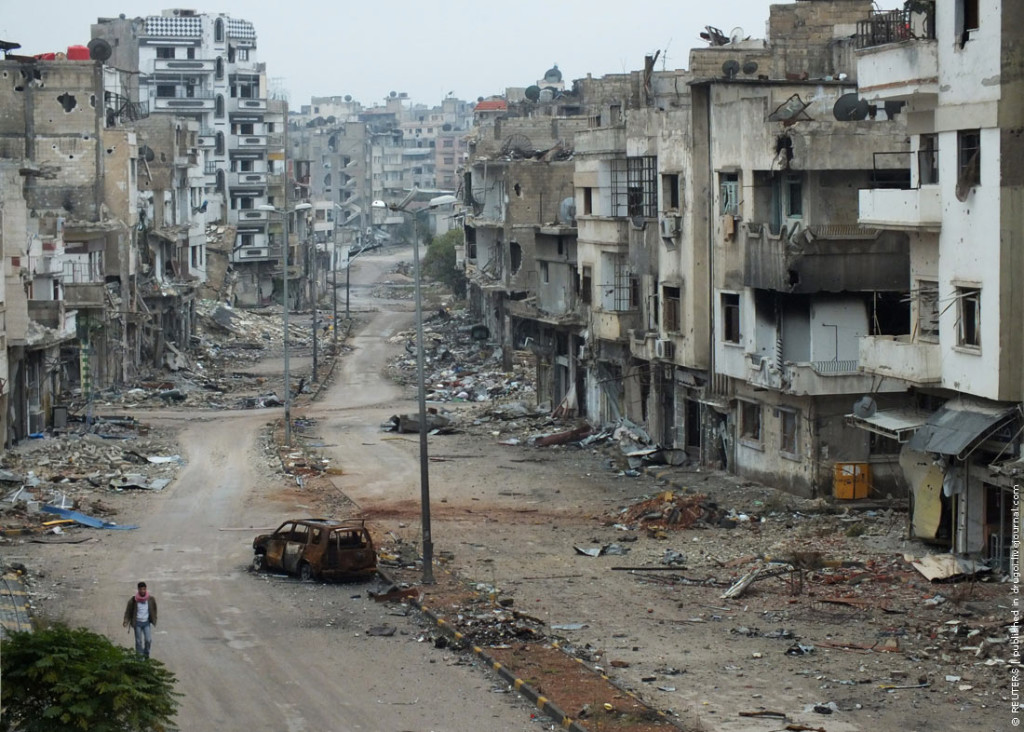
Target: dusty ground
<point x="868" y="646"/>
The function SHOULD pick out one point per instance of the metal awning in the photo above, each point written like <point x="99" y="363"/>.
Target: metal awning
<point x="897" y="424"/>
<point x="959" y="425"/>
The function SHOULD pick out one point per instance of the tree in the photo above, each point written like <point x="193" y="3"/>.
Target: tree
<point x="60" y="679"/>
<point x="439" y="262"/>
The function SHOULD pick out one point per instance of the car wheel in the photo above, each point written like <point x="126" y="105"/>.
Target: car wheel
<point x="259" y="562"/>
<point x="305" y="572"/>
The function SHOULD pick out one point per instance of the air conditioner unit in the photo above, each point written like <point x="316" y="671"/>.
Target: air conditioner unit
<point x="664" y="348"/>
<point x="669" y="226"/>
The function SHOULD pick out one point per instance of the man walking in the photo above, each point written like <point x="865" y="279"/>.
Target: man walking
<point x="141" y="615"/>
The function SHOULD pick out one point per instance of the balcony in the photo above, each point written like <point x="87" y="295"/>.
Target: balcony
<point x="249" y="142"/>
<point x="815" y="378"/>
<point x="917" y="209"/>
<point x="829" y="258"/>
<point x="195" y="101"/>
<point x="46" y="265"/>
<point x="184" y="65"/>
<point x="207" y="139"/>
<point x="247" y="105"/>
<point x="897" y="57"/>
<point x="248" y="180"/>
<point x="250" y="215"/>
<point x="603" y="231"/>
<point x="899" y="357"/>
<point x="614" y="325"/>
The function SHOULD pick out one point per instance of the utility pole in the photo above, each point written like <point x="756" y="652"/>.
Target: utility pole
<point x="313" y="297"/>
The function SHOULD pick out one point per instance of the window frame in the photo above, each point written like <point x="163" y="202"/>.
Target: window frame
<point x="751" y="411"/>
<point x="732" y="328"/>
<point x="968" y="157"/>
<point x="927" y="299"/>
<point x="672" y="308"/>
<point x="729" y="194"/>
<point x="968" y="318"/>
<point x="789" y="439"/>
<point x="642" y="186"/>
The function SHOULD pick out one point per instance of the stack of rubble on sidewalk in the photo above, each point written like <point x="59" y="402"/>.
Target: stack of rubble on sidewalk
<point x="218" y="372"/>
<point x="75" y="470"/>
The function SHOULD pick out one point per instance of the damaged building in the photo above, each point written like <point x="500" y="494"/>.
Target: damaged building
<point x="203" y="67"/>
<point x="757" y="244"/>
<point x="69" y="237"/>
<point x="957" y="73"/>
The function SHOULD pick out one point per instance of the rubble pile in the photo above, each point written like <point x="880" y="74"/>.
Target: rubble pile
<point x="218" y="373"/>
<point x="73" y="470"/>
<point x="671" y="510"/>
<point x="461" y="368"/>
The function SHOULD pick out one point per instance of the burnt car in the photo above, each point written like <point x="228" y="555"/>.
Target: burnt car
<point x="317" y="548"/>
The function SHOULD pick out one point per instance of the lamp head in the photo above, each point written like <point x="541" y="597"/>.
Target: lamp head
<point x="305" y="206"/>
<point x="444" y="200"/>
<point x="378" y="204"/>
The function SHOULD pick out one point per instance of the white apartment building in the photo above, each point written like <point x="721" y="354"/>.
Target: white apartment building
<point x="957" y="67"/>
<point x="204" y="67"/>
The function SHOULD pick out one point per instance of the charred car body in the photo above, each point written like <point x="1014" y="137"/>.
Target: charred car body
<point x="317" y="548"/>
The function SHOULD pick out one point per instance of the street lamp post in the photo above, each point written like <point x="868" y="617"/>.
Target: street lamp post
<point x="428" y="543"/>
<point x="287" y="307"/>
<point x="313" y="297"/>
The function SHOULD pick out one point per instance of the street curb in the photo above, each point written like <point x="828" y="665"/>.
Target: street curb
<point x="542" y="703"/>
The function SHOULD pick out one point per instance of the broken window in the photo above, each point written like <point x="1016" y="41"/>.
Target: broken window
<point x="968" y="157"/>
<point x="619" y="187"/>
<point x="730" y="317"/>
<point x="928" y="160"/>
<point x="927" y="309"/>
<point x="671" y="309"/>
<point x="515" y="256"/>
<point x="750" y="421"/>
<point x="967" y="19"/>
<point x="789" y="442"/>
<point x="588" y="201"/>
<point x="586" y="285"/>
<point x="729" y="193"/>
<point x="670" y="191"/>
<point x="165" y="52"/>
<point x="968" y="300"/>
<point x="545" y="273"/>
<point x="641" y="181"/>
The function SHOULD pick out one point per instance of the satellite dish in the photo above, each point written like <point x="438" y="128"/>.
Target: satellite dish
<point x="730" y="68"/>
<point x="749" y="67"/>
<point x="348" y="97"/>
<point x="865" y="407"/>
<point x="146" y="153"/>
<point x="532" y="93"/>
<point x="99" y="49"/>
<point x="639" y="222"/>
<point x="848" y="108"/>
<point x="517" y="145"/>
<point x="736" y="35"/>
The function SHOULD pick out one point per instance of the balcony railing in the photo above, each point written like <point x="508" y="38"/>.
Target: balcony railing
<point x="184" y="65"/>
<point x="896" y="26"/>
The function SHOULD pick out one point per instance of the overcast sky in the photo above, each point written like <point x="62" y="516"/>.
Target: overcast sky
<point x="474" y="49"/>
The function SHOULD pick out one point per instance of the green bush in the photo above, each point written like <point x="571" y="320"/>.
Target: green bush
<point x="60" y="679"/>
<point x="439" y="262"/>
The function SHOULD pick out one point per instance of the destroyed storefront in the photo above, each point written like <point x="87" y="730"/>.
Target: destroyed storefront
<point x="958" y="464"/>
